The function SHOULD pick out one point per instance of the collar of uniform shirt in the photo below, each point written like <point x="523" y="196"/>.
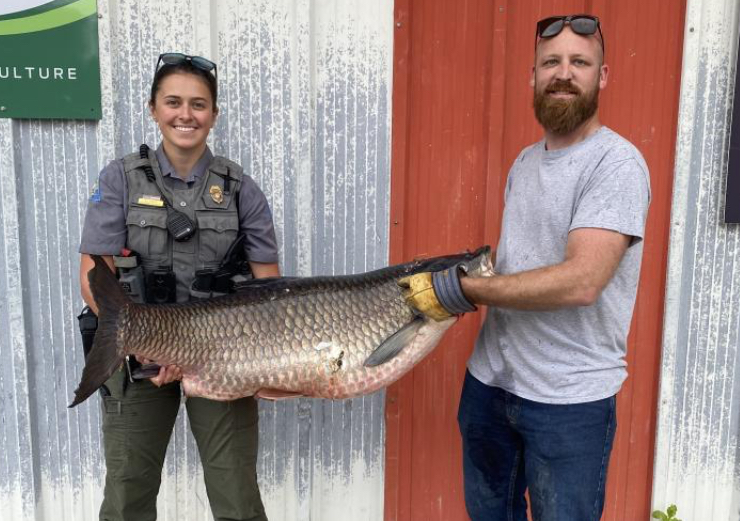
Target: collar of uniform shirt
<point x="196" y="173"/>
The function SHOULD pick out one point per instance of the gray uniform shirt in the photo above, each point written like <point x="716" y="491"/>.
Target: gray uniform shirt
<point x="571" y="355"/>
<point x="104" y="231"/>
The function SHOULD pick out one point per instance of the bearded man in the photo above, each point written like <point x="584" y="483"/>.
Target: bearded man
<point x="538" y="408"/>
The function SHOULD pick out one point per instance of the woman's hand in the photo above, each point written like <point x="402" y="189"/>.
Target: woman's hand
<point x="167" y="374"/>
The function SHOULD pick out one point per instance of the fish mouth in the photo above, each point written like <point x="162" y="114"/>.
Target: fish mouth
<point x="480" y="265"/>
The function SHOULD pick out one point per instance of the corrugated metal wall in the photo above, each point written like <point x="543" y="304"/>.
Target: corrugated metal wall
<point x="462" y="112"/>
<point x="697" y="463"/>
<point x="305" y="108"/>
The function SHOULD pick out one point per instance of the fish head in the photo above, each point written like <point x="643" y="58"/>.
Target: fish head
<point x="418" y="334"/>
<point x="478" y="264"/>
<point x="474" y="264"/>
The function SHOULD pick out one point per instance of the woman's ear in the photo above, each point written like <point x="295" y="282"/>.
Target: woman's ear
<point x="151" y="111"/>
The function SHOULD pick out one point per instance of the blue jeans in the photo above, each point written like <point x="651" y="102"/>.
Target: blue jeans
<point x="559" y="452"/>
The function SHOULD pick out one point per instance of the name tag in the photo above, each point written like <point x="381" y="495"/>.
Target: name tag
<point x="151" y="200"/>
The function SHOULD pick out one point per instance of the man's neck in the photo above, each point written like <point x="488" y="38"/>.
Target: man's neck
<point x="557" y="142"/>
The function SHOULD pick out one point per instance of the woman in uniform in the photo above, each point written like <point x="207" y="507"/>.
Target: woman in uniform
<point x="167" y="215"/>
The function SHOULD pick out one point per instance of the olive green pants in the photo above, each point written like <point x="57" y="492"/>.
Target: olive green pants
<point x="137" y="426"/>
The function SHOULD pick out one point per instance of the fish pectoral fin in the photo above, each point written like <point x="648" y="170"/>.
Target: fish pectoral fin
<point x="394" y="343"/>
<point x="276" y="394"/>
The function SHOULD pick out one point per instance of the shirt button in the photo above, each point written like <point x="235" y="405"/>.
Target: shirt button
<point x="183" y="203"/>
<point x="220" y="228"/>
<point x="142" y="222"/>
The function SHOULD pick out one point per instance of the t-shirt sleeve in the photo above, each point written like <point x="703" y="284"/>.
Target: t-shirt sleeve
<point x="104" y="231"/>
<point x="255" y="221"/>
<point x="616" y="198"/>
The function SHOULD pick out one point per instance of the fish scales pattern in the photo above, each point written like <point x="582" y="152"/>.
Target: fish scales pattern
<point x="311" y="343"/>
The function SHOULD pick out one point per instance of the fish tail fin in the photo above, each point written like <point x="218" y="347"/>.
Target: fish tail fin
<point x="105" y="356"/>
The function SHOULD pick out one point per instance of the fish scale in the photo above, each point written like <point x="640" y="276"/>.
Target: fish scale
<point x="277" y="337"/>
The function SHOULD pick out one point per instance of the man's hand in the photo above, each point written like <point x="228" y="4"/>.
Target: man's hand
<point x="438" y="295"/>
<point x="418" y="291"/>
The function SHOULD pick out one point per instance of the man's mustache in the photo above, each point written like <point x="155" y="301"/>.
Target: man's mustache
<point x="562" y="86"/>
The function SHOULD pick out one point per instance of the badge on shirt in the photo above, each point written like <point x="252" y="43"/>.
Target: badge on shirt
<point x="151" y="200"/>
<point x="216" y="194"/>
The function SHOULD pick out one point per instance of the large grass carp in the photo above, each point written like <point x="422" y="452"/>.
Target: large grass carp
<point x="328" y="337"/>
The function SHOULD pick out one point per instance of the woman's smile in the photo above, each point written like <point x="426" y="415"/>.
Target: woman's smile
<point x="185" y="114"/>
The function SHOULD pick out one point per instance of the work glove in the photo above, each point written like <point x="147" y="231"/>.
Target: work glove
<point x="438" y="294"/>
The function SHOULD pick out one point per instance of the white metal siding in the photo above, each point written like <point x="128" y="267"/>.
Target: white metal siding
<point x="697" y="464"/>
<point x="305" y="90"/>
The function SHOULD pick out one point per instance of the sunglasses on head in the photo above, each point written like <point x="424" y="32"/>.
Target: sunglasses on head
<point x="582" y="24"/>
<point x="176" y="58"/>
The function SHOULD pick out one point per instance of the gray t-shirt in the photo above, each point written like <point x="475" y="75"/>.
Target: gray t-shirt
<point x="576" y="354"/>
<point x="104" y="232"/>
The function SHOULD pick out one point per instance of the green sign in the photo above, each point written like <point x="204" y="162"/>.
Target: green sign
<point x="49" y="64"/>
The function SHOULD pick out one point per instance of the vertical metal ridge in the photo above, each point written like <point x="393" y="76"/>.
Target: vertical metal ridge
<point x="17" y="480"/>
<point x="697" y="465"/>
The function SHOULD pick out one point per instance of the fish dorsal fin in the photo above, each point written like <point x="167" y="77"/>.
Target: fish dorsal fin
<point x="393" y="345"/>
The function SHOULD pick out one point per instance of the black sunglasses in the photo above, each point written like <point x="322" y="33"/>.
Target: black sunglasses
<point x="583" y="24"/>
<point x="176" y="58"/>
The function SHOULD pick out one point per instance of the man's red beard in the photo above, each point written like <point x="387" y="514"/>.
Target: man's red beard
<point x="561" y="116"/>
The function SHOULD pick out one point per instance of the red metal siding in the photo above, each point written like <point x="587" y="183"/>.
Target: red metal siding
<point x="462" y="112"/>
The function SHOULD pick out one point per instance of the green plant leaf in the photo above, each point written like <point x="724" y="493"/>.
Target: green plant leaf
<point x="672" y="510"/>
<point x="657" y="514"/>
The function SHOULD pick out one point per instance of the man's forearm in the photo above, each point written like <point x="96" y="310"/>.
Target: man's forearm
<point x="553" y="287"/>
<point x="591" y="258"/>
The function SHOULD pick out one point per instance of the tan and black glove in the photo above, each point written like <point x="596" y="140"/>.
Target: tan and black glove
<point x="437" y="294"/>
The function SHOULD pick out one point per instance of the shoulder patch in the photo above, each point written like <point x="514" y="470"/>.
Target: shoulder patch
<point x="95" y="195"/>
